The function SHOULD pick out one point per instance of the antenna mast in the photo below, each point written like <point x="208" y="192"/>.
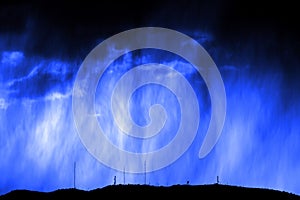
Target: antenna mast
<point x="74" y="177"/>
<point x="145" y="171"/>
<point x="124" y="175"/>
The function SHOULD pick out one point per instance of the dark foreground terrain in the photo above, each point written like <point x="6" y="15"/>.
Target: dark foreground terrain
<point x="145" y="191"/>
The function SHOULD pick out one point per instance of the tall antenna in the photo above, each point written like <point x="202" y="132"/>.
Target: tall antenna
<point x="74" y="178"/>
<point x="124" y="175"/>
<point x="145" y="171"/>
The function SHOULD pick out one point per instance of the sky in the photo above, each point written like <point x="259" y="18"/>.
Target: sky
<point x="254" y="45"/>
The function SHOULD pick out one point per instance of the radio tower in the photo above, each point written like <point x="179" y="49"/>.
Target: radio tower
<point x="124" y="175"/>
<point x="74" y="177"/>
<point x="145" y="171"/>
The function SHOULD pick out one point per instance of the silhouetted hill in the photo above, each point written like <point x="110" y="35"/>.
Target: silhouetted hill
<point x="124" y="191"/>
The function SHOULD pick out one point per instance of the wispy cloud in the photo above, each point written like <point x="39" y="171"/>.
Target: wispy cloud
<point x="12" y="58"/>
<point x="35" y="77"/>
<point x="3" y="104"/>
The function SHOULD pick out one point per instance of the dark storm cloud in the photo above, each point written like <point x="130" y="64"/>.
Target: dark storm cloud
<point x="250" y="33"/>
<point x="68" y="29"/>
<point x="71" y="29"/>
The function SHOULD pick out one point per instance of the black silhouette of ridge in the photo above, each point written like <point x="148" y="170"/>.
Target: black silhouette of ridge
<point x="132" y="190"/>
